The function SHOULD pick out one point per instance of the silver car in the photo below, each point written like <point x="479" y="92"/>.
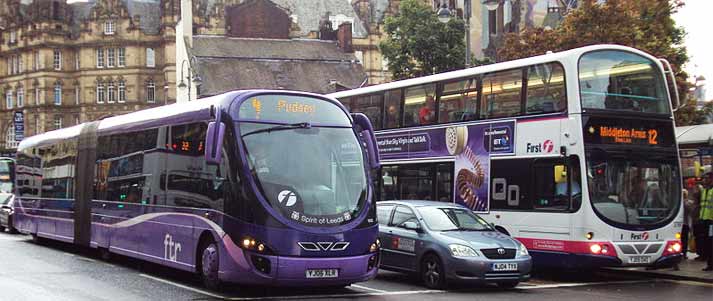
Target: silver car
<point x="445" y="242"/>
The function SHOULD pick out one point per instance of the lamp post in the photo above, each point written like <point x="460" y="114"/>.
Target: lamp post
<point x="191" y="76"/>
<point x="444" y="15"/>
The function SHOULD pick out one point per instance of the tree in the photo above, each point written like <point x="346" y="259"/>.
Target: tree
<point x="642" y="24"/>
<point x="417" y="44"/>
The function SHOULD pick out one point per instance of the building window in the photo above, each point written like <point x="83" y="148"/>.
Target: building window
<point x="100" y="58"/>
<point x="57" y="59"/>
<point x="122" y="91"/>
<point x="37" y="125"/>
<point x="151" y="92"/>
<point x="57" y="122"/>
<point x="150" y="58"/>
<point x="37" y="96"/>
<point x="15" y="64"/>
<point x="20" y="97"/>
<point x="13" y="37"/>
<point x="109" y="27"/>
<point x="9" y="65"/>
<point x="76" y="60"/>
<point x="76" y="96"/>
<point x="100" y="93"/>
<point x="122" y="57"/>
<point x="112" y="93"/>
<point x="35" y="60"/>
<point x="10" y="141"/>
<point x="111" y="59"/>
<point x="58" y="94"/>
<point x="76" y="119"/>
<point x="20" y="65"/>
<point x="8" y="99"/>
<point x="492" y="22"/>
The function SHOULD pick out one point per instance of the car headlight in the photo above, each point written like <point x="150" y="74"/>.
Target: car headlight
<point x="462" y="251"/>
<point x="521" y="249"/>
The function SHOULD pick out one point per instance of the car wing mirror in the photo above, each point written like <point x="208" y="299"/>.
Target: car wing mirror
<point x="411" y="226"/>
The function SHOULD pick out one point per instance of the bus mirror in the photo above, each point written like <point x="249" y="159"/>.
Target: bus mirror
<point x="560" y="174"/>
<point x="213" y="141"/>
<point x="675" y="99"/>
<point x="367" y="133"/>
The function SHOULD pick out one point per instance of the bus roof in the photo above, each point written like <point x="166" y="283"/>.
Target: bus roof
<point x="175" y="113"/>
<point x="545" y="58"/>
<point x="694" y="134"/>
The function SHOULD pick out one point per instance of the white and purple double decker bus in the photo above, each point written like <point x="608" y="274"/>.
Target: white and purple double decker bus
<point x="250" y="187"/>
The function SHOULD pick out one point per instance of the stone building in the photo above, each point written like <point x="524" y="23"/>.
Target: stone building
<point x="65" y="63"/>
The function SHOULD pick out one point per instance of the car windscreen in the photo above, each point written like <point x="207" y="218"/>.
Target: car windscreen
<point x="452" y="219"/>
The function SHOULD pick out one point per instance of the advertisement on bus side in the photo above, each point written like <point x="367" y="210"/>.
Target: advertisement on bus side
<point x="470" y="146"/>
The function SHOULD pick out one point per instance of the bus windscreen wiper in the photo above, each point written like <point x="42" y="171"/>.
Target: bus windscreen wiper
<point x="301" y="125"/>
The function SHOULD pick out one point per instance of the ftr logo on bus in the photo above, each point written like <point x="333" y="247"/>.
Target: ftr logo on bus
<point x="545" y="147"/>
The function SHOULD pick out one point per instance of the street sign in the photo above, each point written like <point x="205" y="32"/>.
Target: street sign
<point x="19" y="121"/>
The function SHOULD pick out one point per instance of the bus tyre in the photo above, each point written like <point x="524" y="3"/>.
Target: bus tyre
<point x="10" y="227"/>
<point x="508" y="284"/>
<point x="209" y="266"/>
<point x="104" y="254"/>
<point x="2" y="229"/>
<point x="432" y="272"/>
<point x="36" y="239"/>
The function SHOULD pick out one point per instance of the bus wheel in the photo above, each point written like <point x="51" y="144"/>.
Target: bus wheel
<point x="432" y="272"/>
<point x="36" y="239"/>
<point x="104" y="254"/>
<point x="209" y="266"/>
<point x="2" y="229"/>
<point x="10" y="227"/>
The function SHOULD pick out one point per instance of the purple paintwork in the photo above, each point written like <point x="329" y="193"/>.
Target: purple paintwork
<point x="170" y="235"/>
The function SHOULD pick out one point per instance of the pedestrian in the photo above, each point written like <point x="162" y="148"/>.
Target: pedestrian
<point x="706" y="218"/>
<point x="698" y="231"/>
<point x="686" y="229"/>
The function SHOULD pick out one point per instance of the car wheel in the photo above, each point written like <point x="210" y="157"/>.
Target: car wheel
<point x="508" y="284"/>
<point x="432" y="272"/>
<point x="209" y="266"/>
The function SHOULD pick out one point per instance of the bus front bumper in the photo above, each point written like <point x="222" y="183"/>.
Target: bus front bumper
<point x="259" y="269"/>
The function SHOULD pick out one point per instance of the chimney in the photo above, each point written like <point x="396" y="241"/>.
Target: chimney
<point x="187" y="20"/>
<point x="344" y="37"/>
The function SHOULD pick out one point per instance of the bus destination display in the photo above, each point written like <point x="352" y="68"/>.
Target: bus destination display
<point x="627" y="132"/>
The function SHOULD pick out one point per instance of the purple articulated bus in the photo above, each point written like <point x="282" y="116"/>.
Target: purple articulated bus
<point x="249" y="187"/>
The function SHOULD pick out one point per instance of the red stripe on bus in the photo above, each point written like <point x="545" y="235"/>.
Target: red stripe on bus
<point x="566" y="246"/>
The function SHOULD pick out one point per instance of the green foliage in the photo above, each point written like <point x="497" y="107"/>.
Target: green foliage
<point x="642" y="24"/>
<point x="417" y="44"/>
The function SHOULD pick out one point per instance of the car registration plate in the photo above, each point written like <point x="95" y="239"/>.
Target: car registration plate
<point x="322" y="273"/>
<point x="639" y="259"/>
<point x="500" y="267"/>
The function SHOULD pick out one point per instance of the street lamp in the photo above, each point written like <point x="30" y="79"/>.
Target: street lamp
<point x="444" y="15"/>
<point x="191" y="76"/>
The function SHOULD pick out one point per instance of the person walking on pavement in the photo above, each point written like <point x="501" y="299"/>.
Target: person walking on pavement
<point x="706" y="218"/>
<point x="688" y="205"/>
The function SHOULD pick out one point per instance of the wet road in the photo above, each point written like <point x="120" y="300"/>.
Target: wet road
<point x="56" y="271"/>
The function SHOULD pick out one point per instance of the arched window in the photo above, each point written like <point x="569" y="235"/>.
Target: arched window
<point x="112" y="92"/>
<point x="122" y="91"/>
<point x="100" y="92"/>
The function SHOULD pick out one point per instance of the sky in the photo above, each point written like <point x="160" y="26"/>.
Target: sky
<point x="693" y="17"/>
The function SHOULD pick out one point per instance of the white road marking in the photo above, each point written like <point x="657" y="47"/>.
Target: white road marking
<point x="368" y="288"/>
<point x="558" y="285"/>
<point x="195" y="290"/>
<point x="329" y="296"/>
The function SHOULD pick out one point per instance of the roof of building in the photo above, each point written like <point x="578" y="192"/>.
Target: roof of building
<point x="227" y="64"/>
<point x="308" y="13"/>
<point x="149" y="12"/>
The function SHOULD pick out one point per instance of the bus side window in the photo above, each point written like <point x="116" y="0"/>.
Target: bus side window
<point x="502" y="92"/>
<point x="392" y="109"/>
<point x="545" y="89"/>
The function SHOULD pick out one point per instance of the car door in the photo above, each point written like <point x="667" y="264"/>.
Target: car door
<point x="403" y="241"/>
<point x="383" y="215"/>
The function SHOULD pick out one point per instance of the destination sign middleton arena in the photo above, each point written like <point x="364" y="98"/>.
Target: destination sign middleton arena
<point x="599" y="130"/>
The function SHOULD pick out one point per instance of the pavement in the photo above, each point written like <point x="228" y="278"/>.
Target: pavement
<point x="688" y="269"/>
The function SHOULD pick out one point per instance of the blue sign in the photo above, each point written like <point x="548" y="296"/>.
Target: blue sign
<point x="19" y="121"/>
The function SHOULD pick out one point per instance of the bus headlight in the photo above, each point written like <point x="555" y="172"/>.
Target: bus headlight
<point x="375" y="247"/>
<point x="462" y="251"/>
<point x="249" y="243"/>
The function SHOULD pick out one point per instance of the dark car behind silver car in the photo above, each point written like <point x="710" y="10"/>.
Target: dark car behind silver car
<point x="445" y="242"/>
